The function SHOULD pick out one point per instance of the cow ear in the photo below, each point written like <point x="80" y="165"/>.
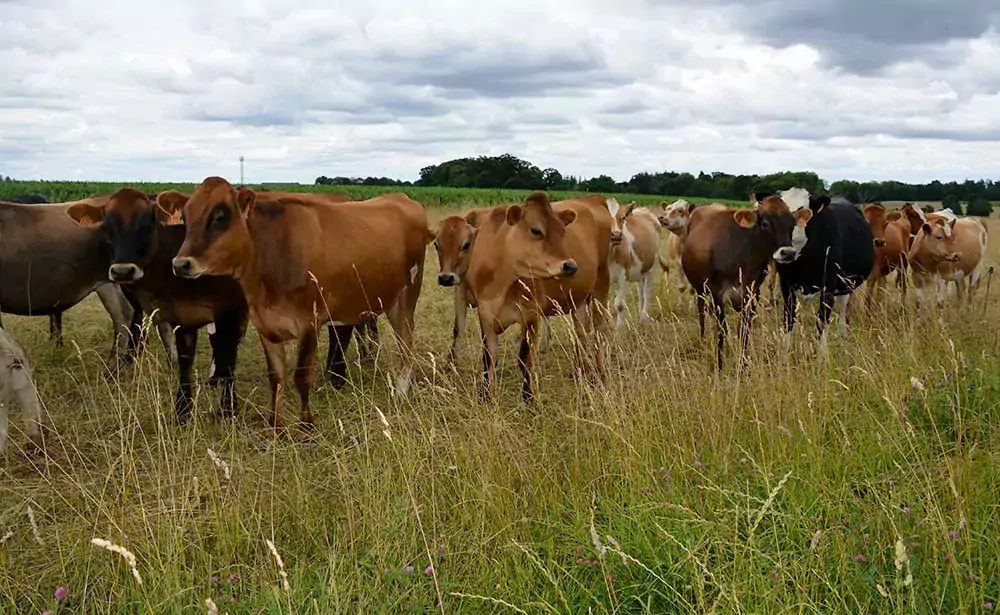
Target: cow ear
<point x="818" y="203"/>
<point x="664" y="205"/>
<point x="473" y="218"/>
<point x="86" y="213"/>
<point x="745" y="218"/>
<point x="567" y="216"/>
<point x="893" y="216"/>
<point x="690" y="208"/>
<point x="169" y="206"/>
<point x="803" y="216"/>
<point x="513" y="214"/>
<point x="926" y="228"/>
<point x="245" y="200"/>
<point x="629" y="209"/>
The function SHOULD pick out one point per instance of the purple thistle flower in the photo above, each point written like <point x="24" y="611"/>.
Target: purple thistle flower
<point x="232" y="579"/>
<point x="859" y="558"/>
<point x="947" y="557"/>
<point x="232" y="600"/>
<point x="952" y="534"/>
<point x="61" y="593"/>
<point x="409" y="568"/>
<point x="907" y="510"/>
<point x="579" y="560"/>
<point x="579" y="550"/>
<point x="215" y="579"/>
<point x="429" y="570"/>
<point x="46" y="612"/>
<point x="988" y="605"/>
<point x="698" y="465"/>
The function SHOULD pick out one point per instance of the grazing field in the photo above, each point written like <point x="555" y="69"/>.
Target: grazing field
<point x="866" y="485"/>
<point x="428" y="196"/>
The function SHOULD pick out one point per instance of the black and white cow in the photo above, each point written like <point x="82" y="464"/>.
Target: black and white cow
<point x="830" y="259"/>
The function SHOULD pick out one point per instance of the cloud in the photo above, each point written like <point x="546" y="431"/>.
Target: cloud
<point x="301" y="88"/>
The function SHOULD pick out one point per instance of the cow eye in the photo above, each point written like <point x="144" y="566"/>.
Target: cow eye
<point x="219" y="216"/>
<point x="537" y="232"/>
<point x="465" y="245"/>
<point x="765" y="223"/>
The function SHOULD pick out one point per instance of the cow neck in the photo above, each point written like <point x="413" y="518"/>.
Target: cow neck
<point x="249" y="277"/>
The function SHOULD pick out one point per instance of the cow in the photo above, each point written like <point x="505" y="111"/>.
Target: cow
<point x="891" y="231"/>
<point x="534" y="260"/>
<point x="726" y="254"/>
<point x="675" y="218"/>
<point x="915" y="217"/>
<point x="16" y="385"/>
<point x="49" y="263"/>
<point x="835" y="256"/>
<point x="143" y="240"/>
<point x="634" y="255"/>
<point x="302" y="262"/>
<point x="948" y="249"/>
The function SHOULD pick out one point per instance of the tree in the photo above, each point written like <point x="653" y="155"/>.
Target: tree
<point x="980" y="207"/>
<point x="601" y="183"/>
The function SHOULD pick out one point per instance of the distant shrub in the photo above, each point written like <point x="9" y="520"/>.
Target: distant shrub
<point x="980" y="207"/>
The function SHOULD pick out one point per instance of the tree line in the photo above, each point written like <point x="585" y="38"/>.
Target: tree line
<point x="507" y="171"/>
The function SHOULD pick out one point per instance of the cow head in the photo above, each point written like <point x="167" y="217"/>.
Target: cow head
<point x="915" y="217"/>
<point x="535" y="239"/>
<point x="217" y="240"/>
<point x="453" y="242"/>
<point x="129" y="220"/>
<point x="781" y="229"/>
<point x="675" y="217"/>
<point x="618" y="216"/>
<point x="878" y="221"/>
<point x="933" y="244"/>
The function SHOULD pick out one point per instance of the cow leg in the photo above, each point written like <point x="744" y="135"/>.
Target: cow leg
<point x="121" y="313"/>
<point x="461" y="311"/>
<point x="368" y="341"/>
<point x="618" y="275"/>
<point x="791" y="305"/>
<point x="720" y="315"/>
<point x="55" y="328"/>
<point x="645" y="295"/>
<point x="164" y="330"/>
<point x="823" y="319"/>
<point x="701" y="313"/>
<point x="187" y="342"/>
<point x="543" y="335"/>
<point x="136" y="335"/>
<point x="304" y="373"/>
<point x="229" y="328"/>
<point x="843" y="303"/>
<point x="525" y="359"/>
<point x="275" y="355"/>
<point x="401" y="318"/>
<point x="942" y="285"/>
<point x="336" y="363"/>
<point x="490" y="344"/>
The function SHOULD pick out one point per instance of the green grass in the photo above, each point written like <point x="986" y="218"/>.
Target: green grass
<point x="60" y="191"/>
<point x="784" y="488"/>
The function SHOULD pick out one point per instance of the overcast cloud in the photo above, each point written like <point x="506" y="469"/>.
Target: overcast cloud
<point x="864" y="89"/>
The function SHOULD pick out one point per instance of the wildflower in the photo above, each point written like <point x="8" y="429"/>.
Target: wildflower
<point x="859" y="558"/>
<point x="429" y="570"/>
<point x="988" y="605"/>
<point x="698" y="465"/>
<point x="579" y="560"/>
<point x="947" y="557"/>
<point x="952" y="534"/>
<point x="441" y="550"/>
<point x="916" y="385"/>
<point x="907" y="510"/>
<point x="232" y="600"/>
<point x="409" y="568"/>
<point x="232" y="579"/>
<point x="774" y="575"/>
<point x="61" y="593"/>
<point x="46" y="612"/>
<point x="215" y="580"/>
<point x="579" y="549"/>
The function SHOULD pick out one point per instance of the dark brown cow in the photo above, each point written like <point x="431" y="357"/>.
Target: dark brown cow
<point x="48" y="264"/>
<point x="302" y="262"/>
<point x="536" y="260"/>
<point x="726" y="254"/>
<point x="143" y="243"/>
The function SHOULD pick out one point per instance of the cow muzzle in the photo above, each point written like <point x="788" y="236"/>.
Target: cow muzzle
<point x="185" y="268"/>
<point x="569" y="268"/>
<point x="786" y="254"/>
<point x="616" y="237"/>
<point x="954" y="257"/>
<point x="879" y="242"/>
<point x="123" y="273"/>
<point x="447" y="279"/>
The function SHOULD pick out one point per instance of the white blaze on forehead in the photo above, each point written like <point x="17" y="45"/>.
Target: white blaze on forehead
<point x="795" y="198"/>
<point x="613" y="207"/>
<point x="946" y="213"/>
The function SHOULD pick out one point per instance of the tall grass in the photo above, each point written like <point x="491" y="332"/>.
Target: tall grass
<point x="787" y="486"/>
<point x="60" y="191"/>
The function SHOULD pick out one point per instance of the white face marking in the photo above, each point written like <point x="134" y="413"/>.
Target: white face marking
<point x="613" y="207"/>
<point x="799" y="238"/>
<point x="795" y="198"/>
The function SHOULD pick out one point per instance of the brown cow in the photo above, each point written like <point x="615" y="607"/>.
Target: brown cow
<point x="948" y="249"/>
<point x="532" y="261"/>
<point x="635" y="254"/>
<point x="302" y="262"/>
<point x="891" y="231"/>
<point x="48" y="264"/>
<point x="727" y="252"/>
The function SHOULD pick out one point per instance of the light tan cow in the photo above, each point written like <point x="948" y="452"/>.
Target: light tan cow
<point x="16" y="385"/>
<point x="948" y="249"/>
<point x="533" y="260"/>
<point x="675" y="218"/>
<point x="302" y="262"/>
<point x="635" y="256"/>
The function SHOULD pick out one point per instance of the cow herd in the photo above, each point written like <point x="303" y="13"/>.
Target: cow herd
<point x="289" y="263"/>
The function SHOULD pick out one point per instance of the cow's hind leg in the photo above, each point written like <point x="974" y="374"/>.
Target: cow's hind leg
<point x="55" y="328"/>
<point x="187" y="342"/>
<point x="229" y="329"/>
<point x="121" y="313"/>
<point x="401" y="318"/>
<point x="368" y="341"/>
<point x="275" y="355"/>
<point x="304" y="374"/>
<point x="336" y="361"/>
<point x="720" y="316"/>
<point x="645" y="295"/>
<point x="525" y="360"/>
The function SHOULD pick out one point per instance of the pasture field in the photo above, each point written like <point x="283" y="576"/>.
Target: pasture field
<point x="787" y="486"/>
<point x="58" y="191"/>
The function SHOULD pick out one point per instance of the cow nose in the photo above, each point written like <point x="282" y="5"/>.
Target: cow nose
<point x="447" y="279"/>
<point x="785" y="255"/>
<point x="182" y="266"/>
<point x="879" y="242"/>
<point x="616" y="237"/>
<point x="124" y="272"/>
<point x="569" y="268"/>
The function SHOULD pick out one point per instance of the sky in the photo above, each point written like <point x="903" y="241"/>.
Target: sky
<point x="177" y="90"/>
